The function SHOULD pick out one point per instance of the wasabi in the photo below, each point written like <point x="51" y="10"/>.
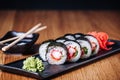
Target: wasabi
<point x="33" y="64"/>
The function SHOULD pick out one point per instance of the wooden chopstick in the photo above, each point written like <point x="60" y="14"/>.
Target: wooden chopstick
<point x="14" y="38"/>
<point x="7" y="40"/>
<point x="21" y="37"/>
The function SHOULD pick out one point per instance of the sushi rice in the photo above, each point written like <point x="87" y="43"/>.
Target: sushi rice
<point x="95" y="44"/>
<point x="78" y="35"/>
<point x="43" y="49"/>
<point x="86" y="48"/>
<point x="61" y="40"/>
<point x="74" y="50"/>
<point x="56" y="53"/>
<point x="69" y="36"/>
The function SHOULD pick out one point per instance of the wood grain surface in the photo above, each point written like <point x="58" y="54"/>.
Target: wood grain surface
<point x="60" y="23"/>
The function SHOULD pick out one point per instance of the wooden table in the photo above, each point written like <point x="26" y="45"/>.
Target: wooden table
<point x="60" y="23"/>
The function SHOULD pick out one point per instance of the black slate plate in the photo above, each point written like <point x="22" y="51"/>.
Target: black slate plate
<point x="55" y="70"/>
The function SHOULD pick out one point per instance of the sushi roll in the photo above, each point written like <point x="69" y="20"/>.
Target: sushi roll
<point x="86" y="47"/>
<point x="69" y="36"/>
<point x="56" y="53"/>
<point x="95" y="44"/>
<point x="74" y="50"/>
<point x="61" y="39"/>
<point x="43" y="49"/>
<point x="78" y="35"/>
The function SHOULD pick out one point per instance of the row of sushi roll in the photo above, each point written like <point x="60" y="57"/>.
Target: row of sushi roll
<point x="72" y="47"/>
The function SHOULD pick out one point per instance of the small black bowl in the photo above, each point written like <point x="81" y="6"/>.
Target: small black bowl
<point x="22" y="46"/>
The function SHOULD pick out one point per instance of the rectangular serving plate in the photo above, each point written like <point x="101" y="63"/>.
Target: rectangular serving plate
<point x="55" y="70"/>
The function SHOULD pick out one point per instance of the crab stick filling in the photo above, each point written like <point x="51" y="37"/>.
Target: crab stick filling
<point x="94" y="46"/>
<point x="56" y="54"/>
<point x="71" y="52"/>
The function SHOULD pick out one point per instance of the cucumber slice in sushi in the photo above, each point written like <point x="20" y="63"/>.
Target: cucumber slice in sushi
<point x="69" y="36"/>
<point x="95" y="44"/>
<point x="43" y="49"/>
<point x="56" y="53"/>
<point x="86" y="47"/>
<point x="74" y="50"/>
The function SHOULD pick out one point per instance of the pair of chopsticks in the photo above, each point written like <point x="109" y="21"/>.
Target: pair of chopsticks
<point x="35" y="29"/>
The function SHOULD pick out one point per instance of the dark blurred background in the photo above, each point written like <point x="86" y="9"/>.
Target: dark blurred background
<point x="60" y="4"/>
